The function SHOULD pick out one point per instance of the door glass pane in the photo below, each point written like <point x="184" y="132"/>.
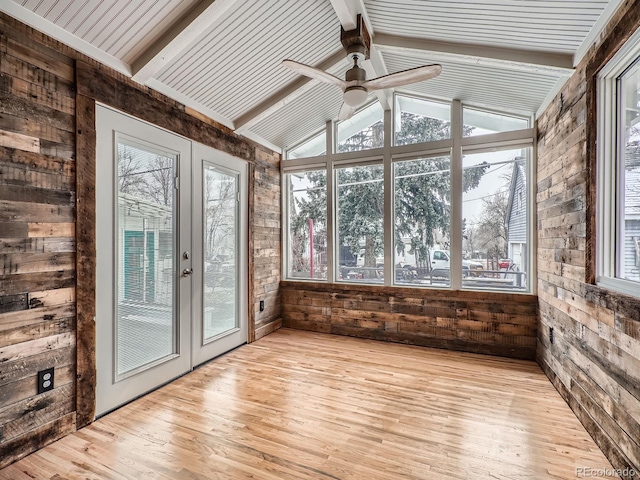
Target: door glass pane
<point x="220" y="252"/>
<point x="145" y="328"/>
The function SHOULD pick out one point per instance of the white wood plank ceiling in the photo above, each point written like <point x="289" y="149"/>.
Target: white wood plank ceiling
<point x="223" y="57"/>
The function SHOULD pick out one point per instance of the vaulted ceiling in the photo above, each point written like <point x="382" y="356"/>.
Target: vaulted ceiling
<point x="223" y="57"/>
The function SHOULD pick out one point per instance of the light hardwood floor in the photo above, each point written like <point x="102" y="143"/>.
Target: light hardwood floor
<point x="298" y="405"/>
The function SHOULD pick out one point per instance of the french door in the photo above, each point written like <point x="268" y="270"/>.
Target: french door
<point x="220" y="218"/>
<point x="171" y="241"/>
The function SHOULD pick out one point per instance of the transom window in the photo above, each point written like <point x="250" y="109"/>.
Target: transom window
<point x="446" y="206"/>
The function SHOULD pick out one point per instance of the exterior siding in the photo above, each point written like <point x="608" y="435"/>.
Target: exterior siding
<point x="631" y="260"/>
<point x="518" y="214"/>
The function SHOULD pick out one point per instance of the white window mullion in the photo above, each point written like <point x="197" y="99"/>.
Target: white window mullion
<point x="331" y="244"/>
<point x="617" y="210"/>
<point x="456" y="196"/>
<point x="388" y="225"/>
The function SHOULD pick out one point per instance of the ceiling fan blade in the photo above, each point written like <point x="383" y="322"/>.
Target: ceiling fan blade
<point x="316" y="73"/>
<point x="404" y="77"/>
<point x="346" y="111"/>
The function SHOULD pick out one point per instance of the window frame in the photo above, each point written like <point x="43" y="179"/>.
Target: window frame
<point x="456" y="147"/>
<point x="308" y="139"/>
<point x="608" y="172"/>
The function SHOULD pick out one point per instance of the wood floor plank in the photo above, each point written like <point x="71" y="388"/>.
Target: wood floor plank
<point x="301" y="405"/>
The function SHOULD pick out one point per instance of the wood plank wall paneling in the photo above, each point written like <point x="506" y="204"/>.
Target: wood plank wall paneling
<point x="86" y="260"/>
<point x="37" y="243"/>
<point x="266" y="243"/>
<point x="478" y="322"/>
<point x="47" y="181"/>
<point x="594" y="359"/>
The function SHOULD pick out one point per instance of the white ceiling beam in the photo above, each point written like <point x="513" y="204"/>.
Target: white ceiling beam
<point x="258" y="139"/>
<point x="43" y="25"/>
<point x="283" y="97"/>
<point x="550" y="63"/>
<point x="189" y="102"/>
<point x="182" y="34"/>
<point x="375" y="67"/>
<point x="347" y="12"/>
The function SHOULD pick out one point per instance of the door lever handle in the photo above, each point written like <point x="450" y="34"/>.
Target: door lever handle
<point x="187" y="271"/>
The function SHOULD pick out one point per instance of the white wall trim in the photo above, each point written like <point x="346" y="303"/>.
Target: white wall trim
<point x="593" y="37"/>
<point x="45" y="26"/>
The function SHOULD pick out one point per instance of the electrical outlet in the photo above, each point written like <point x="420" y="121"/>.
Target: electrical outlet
<point x="45" y="380"/>
<point x="262" y="305"/>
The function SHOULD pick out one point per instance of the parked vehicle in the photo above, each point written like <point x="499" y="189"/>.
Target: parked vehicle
<point x="441" y="260"/>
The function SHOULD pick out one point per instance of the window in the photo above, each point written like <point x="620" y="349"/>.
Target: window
<point x="619" y="170"/>
<point x="306" y="210"/>
<point x="495" y="222"/>
<point x="360" y="203"/>
<point x="316" y="145"/>
<point x="419" y="121"/>
<point x="422" y="221"/>
<point x="363" y="131"/>
<point x="480" y="122"/>
<point x="447" y="206"/>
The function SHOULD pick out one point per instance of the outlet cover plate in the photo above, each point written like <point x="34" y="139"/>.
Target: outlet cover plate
<point x="45" y="380"/>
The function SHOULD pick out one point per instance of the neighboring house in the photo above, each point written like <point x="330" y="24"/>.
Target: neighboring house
<point x="631" y="261"/>
<point x="147" y="261"/>
<point x="516" y="217"/>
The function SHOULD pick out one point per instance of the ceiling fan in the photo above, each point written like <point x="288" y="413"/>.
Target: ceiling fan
<point x="355" y="86"/>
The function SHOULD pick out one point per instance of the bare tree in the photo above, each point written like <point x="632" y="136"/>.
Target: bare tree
<point x="130" y="180"/>
<point x="160" y="180"/>
<point x="492" y="228"/>
<point x="219" y="200"/>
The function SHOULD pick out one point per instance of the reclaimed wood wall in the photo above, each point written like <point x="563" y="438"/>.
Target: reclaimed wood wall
<point x="594" y="358"/>
<point x="265" y="241"/>
<point x="37" y="242"/>
<point x="47" y="226"/>
<point x="478" y="322"/>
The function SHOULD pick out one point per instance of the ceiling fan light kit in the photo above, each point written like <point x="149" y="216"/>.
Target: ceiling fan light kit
<point x="355" y="96"/>
<point x="356" y="87"/>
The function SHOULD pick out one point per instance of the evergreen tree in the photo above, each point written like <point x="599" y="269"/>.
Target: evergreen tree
<point x="422" y="191"/>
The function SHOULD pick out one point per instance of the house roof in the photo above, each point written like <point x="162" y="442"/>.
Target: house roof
<point x="518" y="172"/>
<point x="223" y="57"/>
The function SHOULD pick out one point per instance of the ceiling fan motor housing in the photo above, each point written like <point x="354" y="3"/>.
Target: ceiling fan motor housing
<point x="356" y="73"/>
<point x="356" y="42"/>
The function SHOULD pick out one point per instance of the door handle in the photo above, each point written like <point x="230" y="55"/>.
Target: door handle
<point x="187" y="271"/>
